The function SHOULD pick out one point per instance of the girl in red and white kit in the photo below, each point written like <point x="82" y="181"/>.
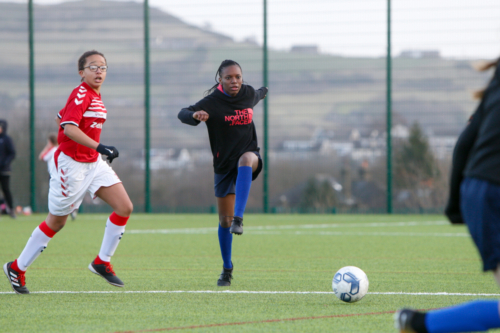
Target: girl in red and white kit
<point x="76" y="168"/>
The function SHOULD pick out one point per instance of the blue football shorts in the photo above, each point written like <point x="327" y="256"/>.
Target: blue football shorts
<point x="480" y="208"/>
<point x="225" y="183"/>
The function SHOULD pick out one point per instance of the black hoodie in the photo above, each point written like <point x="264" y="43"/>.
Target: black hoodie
<point x="477" y="152"/>
<point x="7" y="150"/>
<point x="231" y="130"/>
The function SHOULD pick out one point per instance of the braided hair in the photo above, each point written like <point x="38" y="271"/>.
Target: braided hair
<point x="218" y="74"/>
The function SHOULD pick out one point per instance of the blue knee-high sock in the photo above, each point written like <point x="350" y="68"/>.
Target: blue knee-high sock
<point x="225" y="242"/>
<point x="477" y="316"/>
<point x="243" y="184"/>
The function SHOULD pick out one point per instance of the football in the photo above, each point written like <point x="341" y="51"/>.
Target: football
<point x="350" y="284"/>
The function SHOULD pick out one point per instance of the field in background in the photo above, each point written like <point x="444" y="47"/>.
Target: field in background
<point x="284" y="265"/>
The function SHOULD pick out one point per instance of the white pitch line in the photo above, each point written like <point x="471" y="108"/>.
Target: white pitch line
<point x="434" y="294"/>
<point x="291" y="227"/>
<point x="250" y="292"/>
<point x="347" y="233"/>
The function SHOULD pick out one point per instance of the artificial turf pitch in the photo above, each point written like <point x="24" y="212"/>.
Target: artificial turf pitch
<point x="284" y="265"/>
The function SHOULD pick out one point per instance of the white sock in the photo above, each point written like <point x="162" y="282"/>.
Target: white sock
<point x="112" y="235"/>
<point x="36" y="244"/>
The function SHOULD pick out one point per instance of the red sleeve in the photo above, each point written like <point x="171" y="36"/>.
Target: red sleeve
<point x="78" y="102"/>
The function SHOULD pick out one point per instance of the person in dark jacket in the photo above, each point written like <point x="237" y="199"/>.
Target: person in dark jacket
<point x="227" y="110"/>
<point x="7" y="155"/>
<point x="474" y="199"/>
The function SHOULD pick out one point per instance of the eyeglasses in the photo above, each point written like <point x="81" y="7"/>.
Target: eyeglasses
<point x="94" y="68"/>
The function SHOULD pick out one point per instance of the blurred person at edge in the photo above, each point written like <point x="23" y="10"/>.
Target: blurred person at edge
<point x="50" y="148"/>
<point x="474" y="199"/>
<point x="7" y="155"/>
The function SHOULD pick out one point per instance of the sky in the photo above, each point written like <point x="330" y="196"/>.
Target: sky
<point x="456" y="28"/>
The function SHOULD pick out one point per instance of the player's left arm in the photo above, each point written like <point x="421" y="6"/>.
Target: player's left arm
<point x="260" y="93"/>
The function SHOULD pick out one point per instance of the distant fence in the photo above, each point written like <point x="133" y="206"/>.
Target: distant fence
<point x="341" y="76"/>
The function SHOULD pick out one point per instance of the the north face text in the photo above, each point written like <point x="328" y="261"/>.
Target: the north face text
<point x="242" y="117"/>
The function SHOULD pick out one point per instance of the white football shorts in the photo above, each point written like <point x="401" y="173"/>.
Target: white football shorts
<point x="71" y="180"/>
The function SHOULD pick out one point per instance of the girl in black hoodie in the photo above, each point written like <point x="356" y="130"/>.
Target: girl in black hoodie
<point x="227" y="110"/>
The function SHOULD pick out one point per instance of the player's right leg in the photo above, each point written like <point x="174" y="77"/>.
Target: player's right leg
<point x="247" y="163"/>
<point x="225" y="207"/>
<point x="68" y="184"/>
<point x="249" y="166"/>
<point x="40" y="238"/>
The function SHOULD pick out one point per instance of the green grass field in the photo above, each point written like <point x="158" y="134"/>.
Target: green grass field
<point x="170" y="265"/>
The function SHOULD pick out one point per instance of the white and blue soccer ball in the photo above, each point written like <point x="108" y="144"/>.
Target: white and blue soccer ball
<point x="350" y="284"/>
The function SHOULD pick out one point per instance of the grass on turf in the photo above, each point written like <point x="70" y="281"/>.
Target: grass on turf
<point x="276" y="253"/>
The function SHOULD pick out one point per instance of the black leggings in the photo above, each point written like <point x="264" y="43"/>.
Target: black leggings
<point x="4" y="182"/>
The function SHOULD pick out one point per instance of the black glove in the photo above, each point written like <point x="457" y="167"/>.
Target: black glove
<point x="110" y="151"/>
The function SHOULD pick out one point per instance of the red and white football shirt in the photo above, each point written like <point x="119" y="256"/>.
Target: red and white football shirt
<point x="84" y="109"/>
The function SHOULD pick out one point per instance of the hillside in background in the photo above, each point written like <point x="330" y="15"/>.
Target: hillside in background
<point x="184" y="59"/>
